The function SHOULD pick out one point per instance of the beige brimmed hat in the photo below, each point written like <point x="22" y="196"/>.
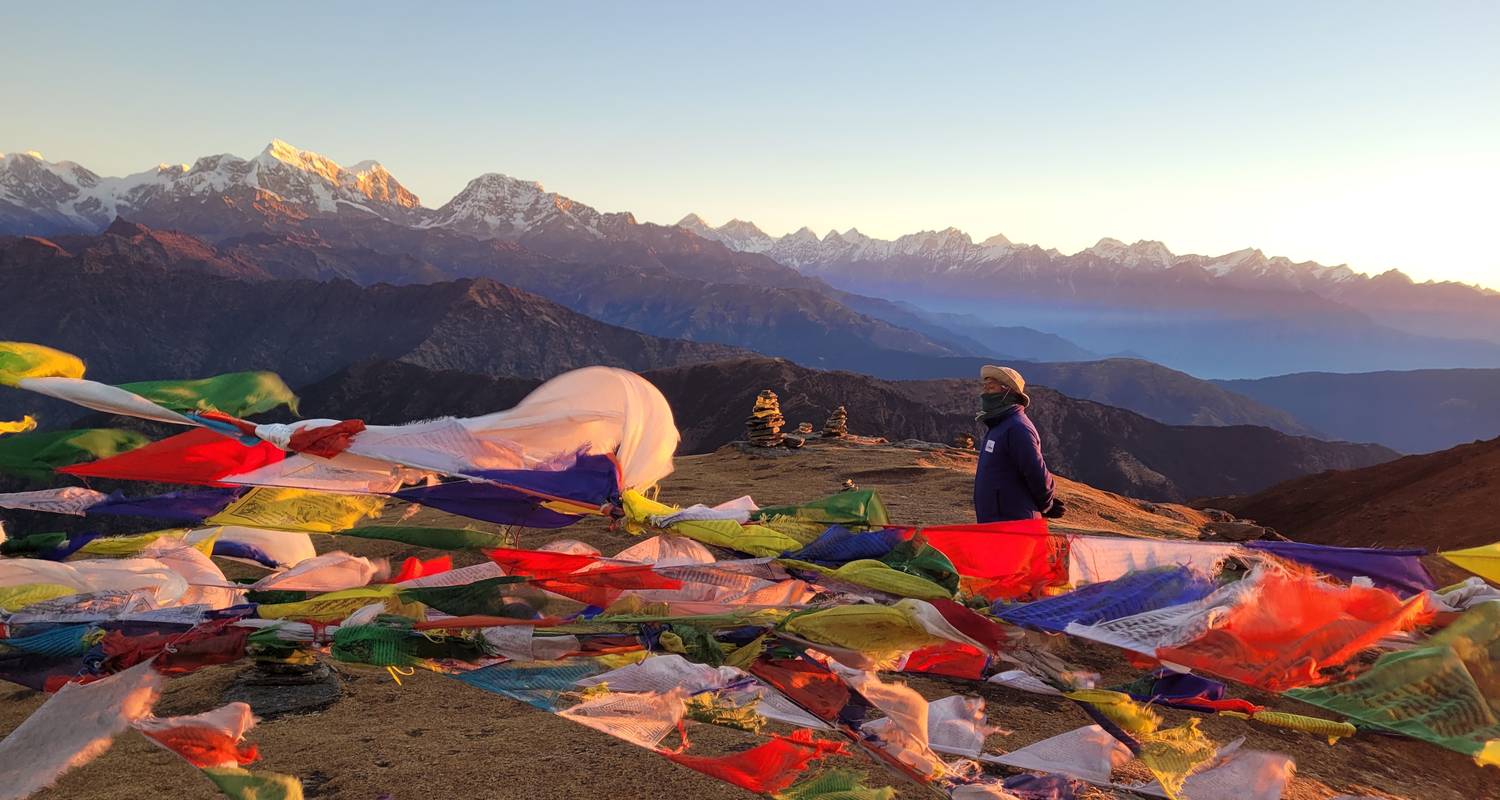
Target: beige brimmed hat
<point x="1008" y="378"/>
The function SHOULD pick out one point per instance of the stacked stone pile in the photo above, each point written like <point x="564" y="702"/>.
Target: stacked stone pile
<point x="837" y="426"/>
<point x="763" y="426"/>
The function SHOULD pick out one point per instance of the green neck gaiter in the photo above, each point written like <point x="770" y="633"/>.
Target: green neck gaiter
<point x="993" y="404"/>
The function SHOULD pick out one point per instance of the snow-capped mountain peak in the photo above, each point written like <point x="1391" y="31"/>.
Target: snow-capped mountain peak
<point x="694" y="223"/>
<point x="1143" y="253"/>
<point x="499" y="206"/>
<point x="311" y="179"/>
<point x="66" y="196"/>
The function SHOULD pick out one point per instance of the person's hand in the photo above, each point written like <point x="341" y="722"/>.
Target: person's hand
<point x="1057" y="509"/>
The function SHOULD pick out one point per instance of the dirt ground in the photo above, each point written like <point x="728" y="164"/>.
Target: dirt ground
<point x="433" y="736"/>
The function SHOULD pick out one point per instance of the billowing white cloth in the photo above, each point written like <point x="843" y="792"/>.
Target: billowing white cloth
<point x="73" y="727"/>
<point x="666" y="551"/>
<point x="99" y="575"/>
<point x="284" y="547"/>
<point x="102" y="397"/>
<point x="1095" y="559"/>
<point x="1088" y="754"/>
<point x="206" y="584"/>
<point x="595" y="409"/>
<point x="641" y="719"/>
<point x="63" y="500"/>
<point x="329" y="572"/>
<point x="1149" y="630"/>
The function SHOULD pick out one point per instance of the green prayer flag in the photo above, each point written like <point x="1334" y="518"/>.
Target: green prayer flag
<point x="35" y="543"/>
<point x="1444" y="691"/>
<point x="435" y="538"/>
<point x="37" y="454"/>
<point x="488" y="597"/>
<point x="860" y="508"/>
<point x="835" y="784"/>
<point x="916" y="557"/>
<point x="238" y="394"/>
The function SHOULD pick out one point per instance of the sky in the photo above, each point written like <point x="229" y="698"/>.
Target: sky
<point x="1365" y="133"/>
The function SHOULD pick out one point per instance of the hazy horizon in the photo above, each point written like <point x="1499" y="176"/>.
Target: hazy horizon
<point x="1357" y="133"/>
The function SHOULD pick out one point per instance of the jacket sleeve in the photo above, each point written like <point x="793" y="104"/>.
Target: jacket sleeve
<point x="1026" y="449"/>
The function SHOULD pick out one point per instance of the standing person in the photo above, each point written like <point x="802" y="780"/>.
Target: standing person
<point x="1012" y="481"/>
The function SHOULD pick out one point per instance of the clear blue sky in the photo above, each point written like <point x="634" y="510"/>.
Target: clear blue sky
<point x="1358" y="132"/>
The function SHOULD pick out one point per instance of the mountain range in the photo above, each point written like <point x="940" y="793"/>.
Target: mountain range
<point x="1238" y="315"/>
<point x="1417" y="411"/>
<point x="158" y="269"/>
<point x="1234" y="315"/>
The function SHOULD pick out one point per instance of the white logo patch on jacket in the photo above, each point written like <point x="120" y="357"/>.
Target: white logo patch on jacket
<point x="989" y="445"/>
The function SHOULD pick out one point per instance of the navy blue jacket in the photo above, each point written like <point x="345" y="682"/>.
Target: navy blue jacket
<point x="1012" y="481"/>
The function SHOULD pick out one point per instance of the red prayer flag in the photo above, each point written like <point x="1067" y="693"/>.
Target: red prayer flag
<point x="765" y="768"/>
<point x="204" y="746"/>
<point x="539" y="563"/>
<point x="1003" y="560"/>
<point x="199" y="456"/>
<point x="951" y="659"/>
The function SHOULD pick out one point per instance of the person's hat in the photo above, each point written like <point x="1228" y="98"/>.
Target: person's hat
<point x="1008" y="378"/>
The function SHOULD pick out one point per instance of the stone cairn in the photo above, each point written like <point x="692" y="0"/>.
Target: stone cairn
<point x="837" y="426"/>
<point x="763" y="426"/>
<point x="804" y="429"/>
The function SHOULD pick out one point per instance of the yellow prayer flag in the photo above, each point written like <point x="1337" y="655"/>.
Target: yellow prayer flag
<point x="1482" y="561"/>
<point x="299" y="510"/>
<point x="129" y="545"/>
<point x="21" y="360"/>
